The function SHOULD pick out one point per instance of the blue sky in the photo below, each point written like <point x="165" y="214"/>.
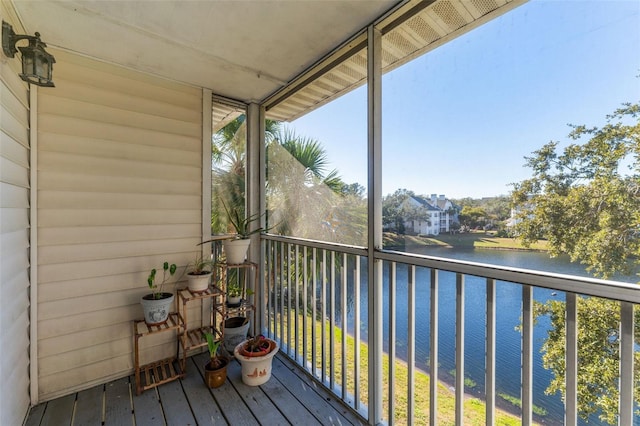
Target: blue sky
<point x="460" y="120"/>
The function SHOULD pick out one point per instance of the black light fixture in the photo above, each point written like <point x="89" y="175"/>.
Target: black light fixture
<point x="37" y="63"/>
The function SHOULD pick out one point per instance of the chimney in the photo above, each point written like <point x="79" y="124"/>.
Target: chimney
<point x="442" y="197"/>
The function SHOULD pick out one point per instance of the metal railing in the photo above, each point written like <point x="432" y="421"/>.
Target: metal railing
<point x="315" y="305"/>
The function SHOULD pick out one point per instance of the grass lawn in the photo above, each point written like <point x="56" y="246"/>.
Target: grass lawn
<point x="474" y="408"/>
<point x="478" y="239"/>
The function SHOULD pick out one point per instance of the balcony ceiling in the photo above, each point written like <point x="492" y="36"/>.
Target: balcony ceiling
<point x="244" y="50"/>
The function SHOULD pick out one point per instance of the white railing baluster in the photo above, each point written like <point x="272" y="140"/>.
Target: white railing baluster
<point x="356" y="332"/>
<point x="459" y="349"/>
<point x="490" y="359"/>
<point x="296" y="300"/>
<point x="281" y="291"/>
<point x="571" y="354"/>
<point x="433" y="355"/>
<point x="626" y="363"/>
<point x="323" y="306"/>
<point x="392" y="342"/>
<point x="411" y="344"/>
<point x="290" y="347"/>
<point x="527" y="352"/>
<point x="305" y="309"/>
<point x="343" y="320"/>
<point x="270" y="312"/>
<point x="332" y="322"/>
<point x="314" y="313"/>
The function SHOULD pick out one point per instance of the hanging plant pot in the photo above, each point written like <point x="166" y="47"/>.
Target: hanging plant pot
<point x="215" y="376"/>
<point x="197" y="283"/>
<point x="156" y="310"/>
<point x="236" y="250"/>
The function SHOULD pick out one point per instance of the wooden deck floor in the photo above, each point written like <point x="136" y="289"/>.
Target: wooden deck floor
<point x="289" y="397"/>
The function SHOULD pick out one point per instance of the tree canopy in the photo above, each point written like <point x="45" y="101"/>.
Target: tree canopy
<point x="585" y="200"/>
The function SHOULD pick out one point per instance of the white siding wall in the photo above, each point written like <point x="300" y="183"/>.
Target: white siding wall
<point x="119" y="192"/>
<point x="14" y="238"/>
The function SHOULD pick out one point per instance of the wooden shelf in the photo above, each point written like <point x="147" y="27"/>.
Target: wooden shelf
<point x="158" y="372"/>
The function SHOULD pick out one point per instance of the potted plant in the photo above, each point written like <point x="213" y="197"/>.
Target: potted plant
<point x="157" y="304"/>
<point x="236" y="246"/>
<point x="234" y="330"/>
<point x="215" y="371"/>
<point x="199" y="275"/>
<point x="256" y="356"/>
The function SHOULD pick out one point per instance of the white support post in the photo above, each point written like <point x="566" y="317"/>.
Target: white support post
<point x="255" y="201"/>
<point x="374" y="161"/>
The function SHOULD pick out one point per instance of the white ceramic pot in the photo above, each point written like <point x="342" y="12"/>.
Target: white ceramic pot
<point x="198" y="283"/>
<point x="156" y="311"/>
<point x="256" y="370"/>
<point x="236" y="250"/>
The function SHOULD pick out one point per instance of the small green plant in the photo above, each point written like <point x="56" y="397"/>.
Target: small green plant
<point x="156" y="289"/>
<point x="200" y="265"/>
<point x="234" y="289"/>
<point x="258" y="343"/>
<point x="241" y="224"/>
<point x="217" y="361"/>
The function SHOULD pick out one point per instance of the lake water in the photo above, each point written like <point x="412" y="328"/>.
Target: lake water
<point x="508" y="339"/>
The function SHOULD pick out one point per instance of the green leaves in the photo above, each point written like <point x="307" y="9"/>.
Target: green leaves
<point x="585" y="200"/>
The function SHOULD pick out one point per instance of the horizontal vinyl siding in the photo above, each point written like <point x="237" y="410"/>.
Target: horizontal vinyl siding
<point x="119" y="192"/>
<point x="14" y="238"/>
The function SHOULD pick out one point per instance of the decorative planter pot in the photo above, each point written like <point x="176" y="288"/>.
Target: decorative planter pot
<point x="234" y="330"/>
<point x="198" y="282"/>
<point x="256" y="370"/>
<point x="236" y="250"/>
<point x="234" y="301"/>
<point x="216" y="378"/>
<point x="156" y="311"/>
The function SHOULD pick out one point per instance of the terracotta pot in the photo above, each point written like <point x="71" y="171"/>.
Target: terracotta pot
<point x="265" y="347"/>
<point x="216" y="378"/>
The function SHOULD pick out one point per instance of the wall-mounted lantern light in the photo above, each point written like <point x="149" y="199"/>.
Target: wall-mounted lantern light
<point x="37" y="64"/>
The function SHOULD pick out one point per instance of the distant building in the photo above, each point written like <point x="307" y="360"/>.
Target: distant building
<point x="429" y="216"/>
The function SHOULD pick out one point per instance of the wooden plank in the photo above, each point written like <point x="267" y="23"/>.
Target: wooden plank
<point x="205" y="409"/>
<point x="175" y="405"/>
<point x="117" y="404"/>
<point x="35" y="415"/>
<point x="262" y="405"/>
<point x="324" y="405"/>
<point x="292" y="408"/>
<point x="89" y="406"/>
<point x="147" y="409"/>
<point x="232" y="405"/>
<point x="59" y="411"/>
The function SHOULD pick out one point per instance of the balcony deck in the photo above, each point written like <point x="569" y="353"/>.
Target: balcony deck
<point x="289" y="397"/>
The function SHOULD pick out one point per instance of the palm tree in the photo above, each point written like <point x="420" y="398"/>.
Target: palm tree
<point x="304" y="198"/>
